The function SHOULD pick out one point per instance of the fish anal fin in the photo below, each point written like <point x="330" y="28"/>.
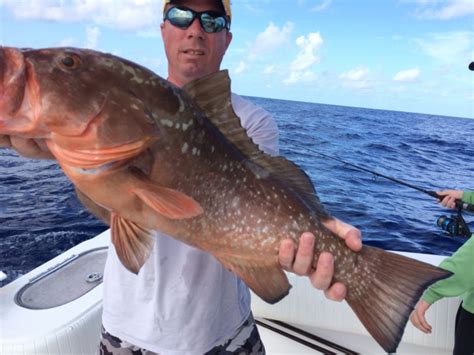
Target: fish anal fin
<point x="170" y="203"/>
<point x="385" y="290"/>
<point x="265" y="278"/>
<point x="132" y="242"/>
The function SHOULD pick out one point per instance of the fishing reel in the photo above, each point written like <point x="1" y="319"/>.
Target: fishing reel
<point x="454" y="226"/>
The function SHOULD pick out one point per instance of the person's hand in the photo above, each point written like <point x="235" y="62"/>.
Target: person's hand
<point x="418" y="319"/>
<point x="449" y="197"/>
<point x="27" y="147"/>
<point x="302" y="263"/>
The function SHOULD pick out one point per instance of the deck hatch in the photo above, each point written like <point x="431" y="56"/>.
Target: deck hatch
<point x="64" y="282"/>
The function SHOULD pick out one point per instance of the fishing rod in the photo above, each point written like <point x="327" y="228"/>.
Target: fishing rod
<point x="431" y="193"/>
<point x="454" y="225"/>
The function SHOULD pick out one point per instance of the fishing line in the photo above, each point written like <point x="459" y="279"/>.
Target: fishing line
<point x="459" y="203"/>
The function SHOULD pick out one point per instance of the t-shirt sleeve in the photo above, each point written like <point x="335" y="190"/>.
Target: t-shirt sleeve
<point x="259" y="124"/>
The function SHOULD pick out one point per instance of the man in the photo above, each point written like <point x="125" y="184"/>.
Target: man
<point x="183" y="301"/>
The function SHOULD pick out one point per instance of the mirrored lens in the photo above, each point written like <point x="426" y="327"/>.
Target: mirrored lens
<point x="180" y="17"/>
<point x="211" y="23"/>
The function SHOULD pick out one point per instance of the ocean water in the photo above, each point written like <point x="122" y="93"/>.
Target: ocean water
<point x="40" y="216"/>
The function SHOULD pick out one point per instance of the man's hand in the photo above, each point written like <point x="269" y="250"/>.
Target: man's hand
<point x="302" y="263"/>
<point x="30" y="148"/>
<point x="449" y="197"/>
<point x="418" y="317"/>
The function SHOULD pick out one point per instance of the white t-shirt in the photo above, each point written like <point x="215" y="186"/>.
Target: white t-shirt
<point x="182" y="301"/>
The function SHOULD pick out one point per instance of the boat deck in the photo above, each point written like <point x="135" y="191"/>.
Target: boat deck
<point x="305" y="322"/>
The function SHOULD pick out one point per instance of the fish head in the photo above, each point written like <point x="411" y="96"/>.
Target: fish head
<point x="87" y="105"/>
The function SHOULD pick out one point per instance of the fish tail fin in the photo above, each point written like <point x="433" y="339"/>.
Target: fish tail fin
<point x="384" y="291"/>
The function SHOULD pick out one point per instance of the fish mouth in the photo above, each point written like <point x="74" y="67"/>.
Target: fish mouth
<point x="19" y="95"/>
<point x="12" y="80"/>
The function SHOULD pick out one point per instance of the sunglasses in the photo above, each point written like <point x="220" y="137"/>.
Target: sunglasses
<point x="211" y="21"/>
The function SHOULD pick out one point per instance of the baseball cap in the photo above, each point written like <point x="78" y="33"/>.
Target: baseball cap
<point x="225" y="5"/>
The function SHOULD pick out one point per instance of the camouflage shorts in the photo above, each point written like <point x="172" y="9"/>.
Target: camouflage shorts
<point x="245" y="342"/>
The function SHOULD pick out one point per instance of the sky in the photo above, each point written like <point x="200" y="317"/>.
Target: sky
<point x="402" y="55"/>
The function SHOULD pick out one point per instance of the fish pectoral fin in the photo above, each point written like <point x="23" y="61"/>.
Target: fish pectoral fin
<point x="132" y="242"/>
<point x="169" y="203"/>
<point x="265" y="278"/>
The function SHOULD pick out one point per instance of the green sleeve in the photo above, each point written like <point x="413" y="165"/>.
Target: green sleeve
<point x="468" y="197"/>
<point x="461" y="264"/>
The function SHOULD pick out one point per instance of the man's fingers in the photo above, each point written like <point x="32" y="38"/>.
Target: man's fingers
<point x="5" y="142"/>
<point x="31" y="148"/>
<point x="286" y="254"/>
<point x="304" y="257"/>
<point x="322" y="277"/>
<point x="336" y="292"/>
<point x="350" y="234"/>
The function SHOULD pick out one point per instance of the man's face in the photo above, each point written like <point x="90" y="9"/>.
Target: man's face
<point x="191" y="52"/>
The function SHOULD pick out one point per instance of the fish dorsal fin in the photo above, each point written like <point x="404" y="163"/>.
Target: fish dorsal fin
<point x="213" y="95"/>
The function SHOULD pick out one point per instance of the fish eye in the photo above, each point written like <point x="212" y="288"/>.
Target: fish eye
<point x="70" y="61"/>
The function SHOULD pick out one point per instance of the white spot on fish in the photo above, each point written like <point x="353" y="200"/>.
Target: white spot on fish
<point x="167" y="123"/>
<point x="184" y="148"/>
<point x="187" y="125"/>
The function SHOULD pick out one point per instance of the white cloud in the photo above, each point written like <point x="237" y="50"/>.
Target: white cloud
<point x="306" y="57"/>
<point x="308" y="48"/>
<point x="272" y="38"/>
<point x="357" y="74"/>
<point x="357" y="78"/>
<point x="321" y="6"/>
<point x="92" y="34"/>
<point x="269" y="69"/>
<point x="267" y="42"/>
<point x="447" y="47"/>
<point x="67" y="42"/>
<point x="300" y="77"/>
<point x="121" y="14"/>
<point x="241" y="68"/>
<point x="407" y="75"/>
<point x="443" y="10"/>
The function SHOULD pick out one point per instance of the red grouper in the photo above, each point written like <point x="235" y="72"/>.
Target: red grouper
<point x="146" y="155"/>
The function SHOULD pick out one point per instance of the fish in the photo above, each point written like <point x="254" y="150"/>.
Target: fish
<point x="145" y="156"/>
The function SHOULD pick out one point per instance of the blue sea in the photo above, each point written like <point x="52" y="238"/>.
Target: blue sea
<point x="40" y="216"/>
